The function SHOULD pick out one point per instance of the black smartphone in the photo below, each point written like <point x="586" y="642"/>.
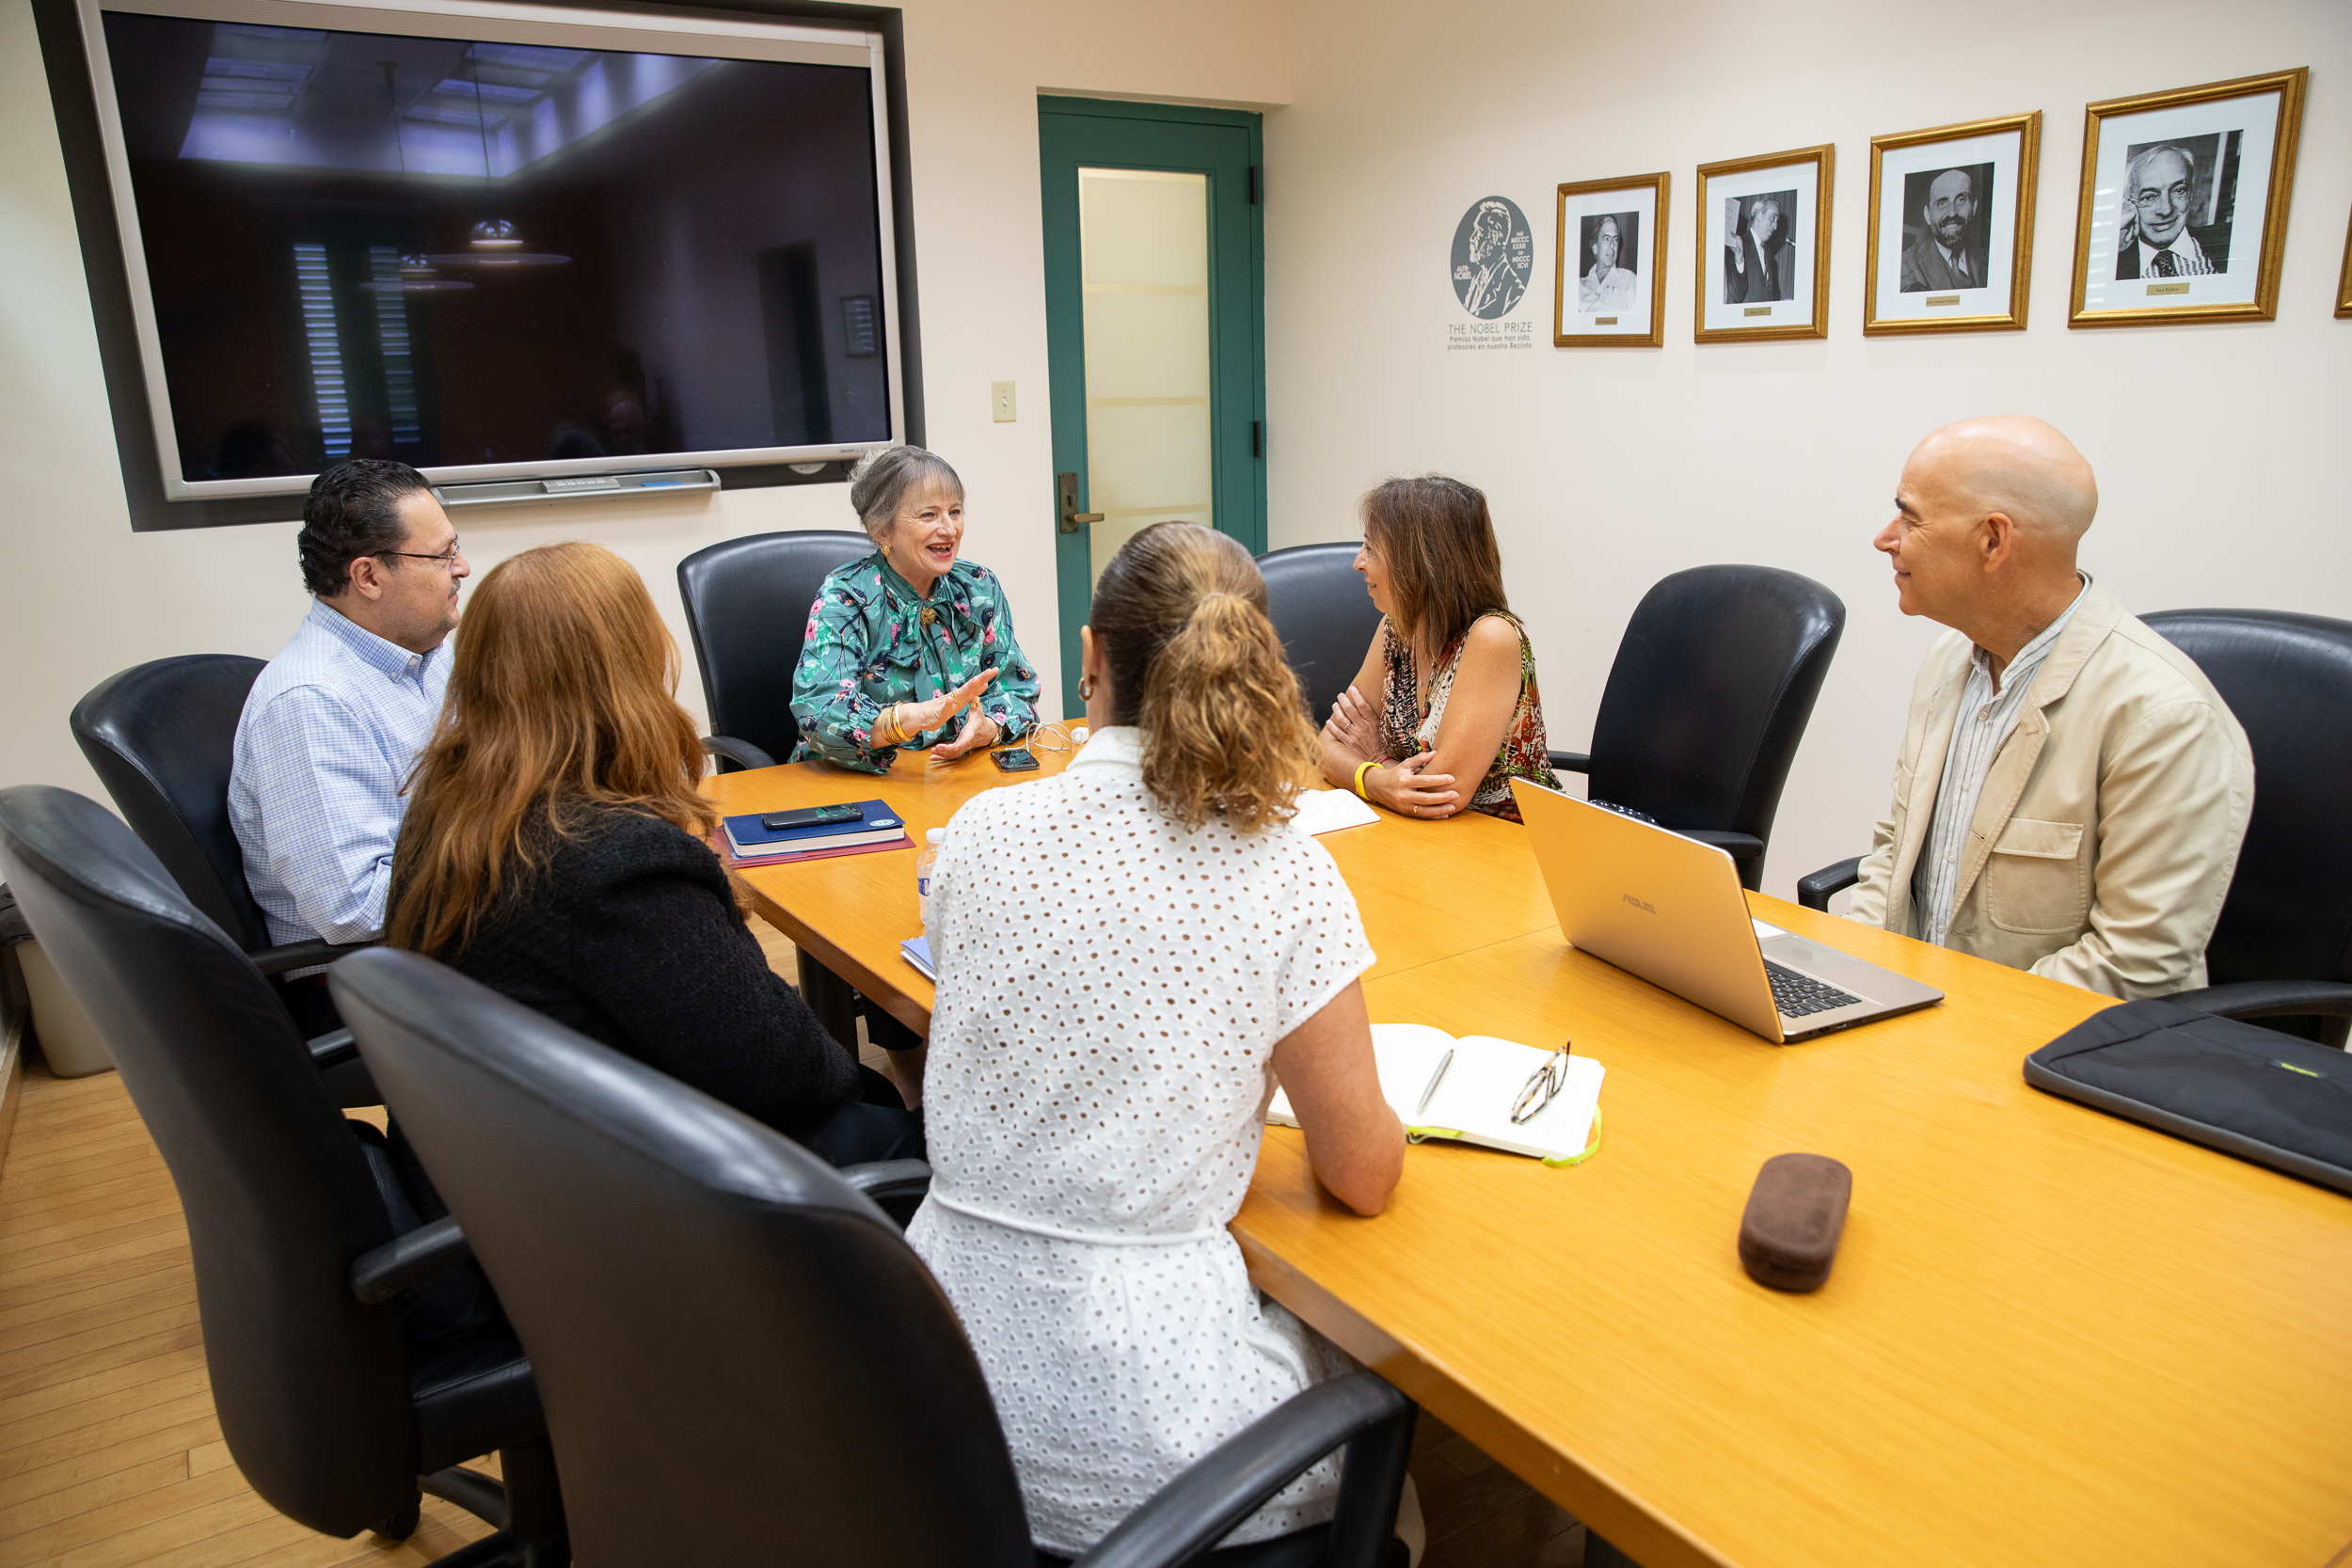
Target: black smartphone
<point x="1014" y="759"/>
<point x="809" y="817"/>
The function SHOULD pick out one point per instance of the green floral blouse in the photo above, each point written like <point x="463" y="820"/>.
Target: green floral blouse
<point x="873" y="641"/>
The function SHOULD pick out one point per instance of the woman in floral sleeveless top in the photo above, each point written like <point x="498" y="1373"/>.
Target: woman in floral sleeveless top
<point x="1447" y="691"/>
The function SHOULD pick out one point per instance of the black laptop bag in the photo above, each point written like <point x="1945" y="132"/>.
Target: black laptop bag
<point x="2238" y="1087"/>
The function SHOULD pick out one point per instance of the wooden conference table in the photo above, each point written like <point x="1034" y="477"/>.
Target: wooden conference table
<point x="2051" y="1337"/>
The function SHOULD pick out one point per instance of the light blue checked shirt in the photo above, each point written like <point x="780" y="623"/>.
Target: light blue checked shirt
<point x="326" y="742"/>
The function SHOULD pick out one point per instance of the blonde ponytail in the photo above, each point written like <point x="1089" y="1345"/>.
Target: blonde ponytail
<point x="1195" y="663"/>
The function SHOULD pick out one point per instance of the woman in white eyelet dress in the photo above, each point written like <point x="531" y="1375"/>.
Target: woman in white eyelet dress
<point x="1113" y="988"/>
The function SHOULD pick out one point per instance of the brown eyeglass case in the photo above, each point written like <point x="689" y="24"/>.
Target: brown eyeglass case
<point x="1796" y="1211"/>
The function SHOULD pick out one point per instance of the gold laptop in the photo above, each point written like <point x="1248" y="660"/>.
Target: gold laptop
<point x="1670" y="909"/>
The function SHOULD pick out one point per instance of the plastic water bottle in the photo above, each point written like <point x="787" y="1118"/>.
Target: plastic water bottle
<point x="932" y="839"/>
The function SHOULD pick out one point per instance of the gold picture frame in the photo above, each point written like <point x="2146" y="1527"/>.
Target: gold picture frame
<point x="1733" y="300"/>
<point x="2344" y="278"/>
<point x="2207" y="142"/>
<point x="1918" y="265"/>
<point x="1645" y="200"/>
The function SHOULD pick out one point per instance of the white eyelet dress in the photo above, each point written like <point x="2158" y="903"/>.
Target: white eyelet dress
<point x="1111" y="989"/>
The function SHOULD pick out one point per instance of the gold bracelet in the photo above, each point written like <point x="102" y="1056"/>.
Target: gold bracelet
<point x="885" y="731"/>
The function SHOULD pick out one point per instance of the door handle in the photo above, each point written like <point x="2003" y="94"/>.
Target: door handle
<point x="1070" y="515"/>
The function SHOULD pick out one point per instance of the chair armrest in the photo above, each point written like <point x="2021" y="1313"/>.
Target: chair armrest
<point x="888" y="1179"/>
<point x="2270" y="999"/>
<point x="741" y="752"/>
<point x="305" y="954"/>
<point x="1813" y="891"/>
<point x="1739" y="846"/>
<point x="1201" y="1507"/>
<point x="1571" y="762"/>
<point x="333" y="1049"/>
<point x="382" y="1273"/>
<point x="336" y="1054"/>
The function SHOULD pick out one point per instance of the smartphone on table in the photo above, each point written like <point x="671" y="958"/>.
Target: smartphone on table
<point x="810" y="816"/>
<point x="1014" y="759"/>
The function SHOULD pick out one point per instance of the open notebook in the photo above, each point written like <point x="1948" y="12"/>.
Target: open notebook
<point x="1472" y="1103"/>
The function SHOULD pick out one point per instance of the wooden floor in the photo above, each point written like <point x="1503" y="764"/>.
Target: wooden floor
<point x="110" y="1456"/>
<point x="109" y="1452"/>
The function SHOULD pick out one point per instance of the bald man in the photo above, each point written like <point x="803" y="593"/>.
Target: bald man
<point x="2071" y="791"/>
<point x="1942" y="254"/>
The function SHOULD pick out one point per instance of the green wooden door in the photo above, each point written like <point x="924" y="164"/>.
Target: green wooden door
<point x="1156" y="331"/>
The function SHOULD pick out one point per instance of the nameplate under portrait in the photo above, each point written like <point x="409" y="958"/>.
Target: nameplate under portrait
<point x="2183" y="208"/>
<point x="1763" y="246"/>
<point x="1607" y="281"/>
<point x="1951" y="228"/>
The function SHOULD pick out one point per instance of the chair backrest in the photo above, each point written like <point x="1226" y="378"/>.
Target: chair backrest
<point x="747" y="603"/>
<point x="160" y="737"/>
<point x="2288" y="678"/>
<point x="312" y="1386"/>
<point x="1713" y="683"/>
<point x="1324" y="616"/>
<point x="739" y="1357"/>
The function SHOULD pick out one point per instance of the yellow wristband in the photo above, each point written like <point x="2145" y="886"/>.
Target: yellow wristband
<point x="1362" y="768"/>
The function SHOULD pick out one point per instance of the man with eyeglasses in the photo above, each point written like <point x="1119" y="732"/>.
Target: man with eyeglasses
<point x="331" y="728"/>
<point x="2159" y="241"/>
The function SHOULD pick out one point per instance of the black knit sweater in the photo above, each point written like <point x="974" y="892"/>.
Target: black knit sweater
<point x="629" y="933"/>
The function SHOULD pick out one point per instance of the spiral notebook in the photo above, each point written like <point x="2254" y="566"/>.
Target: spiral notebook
<point x="1471" y="1103"/>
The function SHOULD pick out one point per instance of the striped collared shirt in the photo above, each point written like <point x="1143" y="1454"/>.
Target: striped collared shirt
<point x="2189" y="257"/>
<point x="326" y="742"/>
<point x="1982" y="729"/>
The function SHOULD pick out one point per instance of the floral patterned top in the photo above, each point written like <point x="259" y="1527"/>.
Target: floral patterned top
<point x="1405" y="730"/>
<point x="873" y="641"/>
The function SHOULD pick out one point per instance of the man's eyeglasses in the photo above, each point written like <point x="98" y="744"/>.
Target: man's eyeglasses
<point x="1549" y="1080"/>
<point x="447" y="560"/>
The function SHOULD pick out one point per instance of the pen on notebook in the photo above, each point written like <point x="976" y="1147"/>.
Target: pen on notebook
<point x="1435" y="1078"/>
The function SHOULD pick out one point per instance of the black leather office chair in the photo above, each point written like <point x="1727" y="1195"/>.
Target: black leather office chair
<point x="747" y="604"/>
<point x="1712" y="687"/>
<point x="2287" y="922"/>
<point x="161" y="738"/>
<point x="1317" y="602"/>
<point x="333" y="1407"/>
<point x="2282" y="950"/>
<point x="698" y="1292"/>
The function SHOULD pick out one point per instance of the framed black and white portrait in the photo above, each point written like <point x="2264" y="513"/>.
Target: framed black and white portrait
<point x="2184" y="212"/>
<point x="1951" y="228"/>
<point x="1608" y="284"/>
<point x="2344" y="278"/>
<point x="1763" y="243"/>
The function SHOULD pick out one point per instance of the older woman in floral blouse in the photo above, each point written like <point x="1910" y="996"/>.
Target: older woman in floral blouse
<point x="903" y="640"/>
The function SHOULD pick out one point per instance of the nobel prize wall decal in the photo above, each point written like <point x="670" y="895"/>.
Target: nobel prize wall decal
<point x="1494" y="259"/>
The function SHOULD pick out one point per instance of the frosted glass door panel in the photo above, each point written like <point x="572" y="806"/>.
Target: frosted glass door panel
<point x="1144" y="262"/>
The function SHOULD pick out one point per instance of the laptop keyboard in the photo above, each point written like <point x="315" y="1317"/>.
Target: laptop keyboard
<point x="1799" y="995"/>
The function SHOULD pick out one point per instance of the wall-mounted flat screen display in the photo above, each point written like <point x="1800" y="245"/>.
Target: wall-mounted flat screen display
<point x="493" y="249"/>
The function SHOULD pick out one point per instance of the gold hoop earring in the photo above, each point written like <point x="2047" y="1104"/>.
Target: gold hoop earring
<point x="1086" y="688"/>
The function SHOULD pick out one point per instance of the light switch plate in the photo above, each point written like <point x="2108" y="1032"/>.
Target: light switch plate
<point x="1001" y="406"/>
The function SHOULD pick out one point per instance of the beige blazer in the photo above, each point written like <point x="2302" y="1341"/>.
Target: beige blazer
<point x="2108" y="828"/>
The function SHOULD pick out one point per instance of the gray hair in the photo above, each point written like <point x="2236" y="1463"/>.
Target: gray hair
<point x="2139" y="162"/>
<point x="879" y="484"/>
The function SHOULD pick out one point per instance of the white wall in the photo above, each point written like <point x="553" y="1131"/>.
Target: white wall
<point x="2219" y="448"/>
<point x="82" y="597"/>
